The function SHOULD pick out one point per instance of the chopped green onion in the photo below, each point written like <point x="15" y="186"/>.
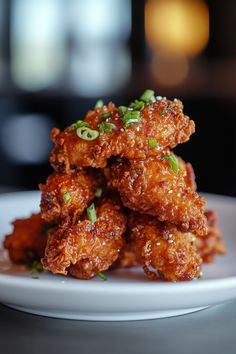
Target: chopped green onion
<point x="37" y="266"/>
<point x="137" y="105"/>
<point x="98" y="192"/>
<point x="123" y="110"/>
<point x="99" y="104"/>
<point x="173" y="161"/>
<point x="66" y="197"/>
<point x="130" y="118"/>
<point x="106" y="127"/>
<point x="91" y="212"/>
<point x="78" y="124"/>
<point x="148" y="96"/>
<point x="165" y="110"/>
<point x="86" y="133"/>
<point x="102" y="276"/>
<point x="152" y="143"/>
<point x="105" y="115"/>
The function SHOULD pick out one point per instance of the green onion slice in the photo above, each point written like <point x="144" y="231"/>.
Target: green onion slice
<point x="66" y="197"/>
<point x="36" y="266"/>
<point x="148" y="96"/>
<point x="105" y="127"/>
<point x="137" y="105"/>
<point x="165" y="110"/>
<point x="99" y="104"/>
<point x="152" y="143"/>
<point x="123" y="110"/>
<point x="76" y="125"/>
<point x="130" y="118"/>
<point x="102" y="276"/>
<point x="86" y="133"/>
<point x="173" y="161"/>
<point x="98" y="192"/>
<point x="105" y="115"/>
<point x="91" y="212"/>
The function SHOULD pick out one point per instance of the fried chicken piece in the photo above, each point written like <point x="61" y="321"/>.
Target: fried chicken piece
<point x="207" y="246"/>
<point x="85" y="249"/>
<point x="153" y="187"/>
<point x="212" y="243"/>
<point x="27" y="241"/>
<point x="162" y="120"/>
<point x="64" y="195"/>
<point x="163" y="250"/>
<point x="127" y="257"/>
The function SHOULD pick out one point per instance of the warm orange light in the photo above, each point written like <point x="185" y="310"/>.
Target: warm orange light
<point x="180" y="26"/>
<point x="169" y="69"/>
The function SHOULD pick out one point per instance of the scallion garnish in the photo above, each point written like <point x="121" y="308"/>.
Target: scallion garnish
<point x="99" y="104"/>
<point x="123" y="110"/>
<point x="148" y="96"/>
<point x="102" y="276"/>
<point x="130" y="118"/>
<point x="173" y="161"/>
<point x="137" y="105"/>
<point x="91" y="212"/>
<point x="86" y="133"/>
<point x="98" y="192"/>
<point x="105" y="127"/>
<point x="152" y="143"/>
<point x="36" y="266"/>
<point x="165" y="110"/>
<point x="66" y="197"/>
<point x="76" y="125"/>
<point x="105" y="115"/>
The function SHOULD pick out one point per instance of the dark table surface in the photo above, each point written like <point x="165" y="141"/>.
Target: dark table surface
<point x="209" y="331"/>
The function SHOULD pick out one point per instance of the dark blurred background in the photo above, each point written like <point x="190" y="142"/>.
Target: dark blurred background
<point x="58" y="56"/>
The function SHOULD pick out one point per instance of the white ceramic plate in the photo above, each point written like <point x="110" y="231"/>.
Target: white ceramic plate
<point x="127" y="294"/>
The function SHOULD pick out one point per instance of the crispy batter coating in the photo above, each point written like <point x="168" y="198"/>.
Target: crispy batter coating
<point x="152" y="187"/>
<point x="85" y="249"/>
<point x="27" y="241"/>
<point x="127" y="257"/>
<point x="207" y="246"/>
<point x="212" y="243"/>
<point x="163" y="250"/>
<point x="64" y="195"/>
<point x="162" y="120"/>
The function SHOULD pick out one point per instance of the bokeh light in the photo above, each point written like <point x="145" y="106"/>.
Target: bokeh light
<point x="99" y="70"/>
<point x="37" y="43"/>
<point x="179" y="26"/>
<point x="25" y="139"/>
<point x="169" y="69"/>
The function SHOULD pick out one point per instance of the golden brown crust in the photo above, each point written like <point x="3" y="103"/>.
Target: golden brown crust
<point x="212" y="244"/>
<point x="163" y="251"/>
<point x="84" y="249"/>
<point x="27" y="241"/>
<point x="67" y="195"/>
<point x="162" y="120"/>
<point x="152" y="187"/>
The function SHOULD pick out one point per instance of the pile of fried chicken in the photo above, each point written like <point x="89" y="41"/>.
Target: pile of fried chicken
<point x="119" y="197"/>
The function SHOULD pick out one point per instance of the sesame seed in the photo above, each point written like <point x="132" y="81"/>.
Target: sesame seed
<point x="170" y="241"/>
